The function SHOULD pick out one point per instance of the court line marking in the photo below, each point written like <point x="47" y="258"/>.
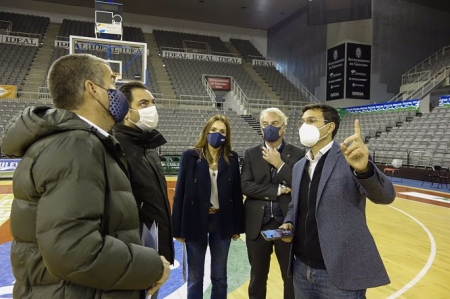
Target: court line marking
<point x="5" y="196"/>
<point x="428" y="264"/>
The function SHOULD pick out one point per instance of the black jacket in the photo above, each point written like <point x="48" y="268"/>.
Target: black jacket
<point x="148" y="181"/>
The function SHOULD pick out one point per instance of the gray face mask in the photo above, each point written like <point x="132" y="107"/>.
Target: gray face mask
<point x="148" y="118"/>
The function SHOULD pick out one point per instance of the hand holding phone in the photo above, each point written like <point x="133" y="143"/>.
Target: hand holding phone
<point x="276" y="234"/>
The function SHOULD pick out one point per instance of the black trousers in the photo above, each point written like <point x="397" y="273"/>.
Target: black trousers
<point x="259" y="252"/>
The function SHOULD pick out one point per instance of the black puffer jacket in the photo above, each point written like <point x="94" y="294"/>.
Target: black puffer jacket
<point x="68" y="173"/>
<point x="148" y="181"/>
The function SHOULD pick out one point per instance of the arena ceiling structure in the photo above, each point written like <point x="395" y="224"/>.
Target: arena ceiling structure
<point x="256" y="14"/>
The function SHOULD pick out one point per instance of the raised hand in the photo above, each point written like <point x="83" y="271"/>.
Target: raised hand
<point x="272" y="156"/>
<point x="355" y="151"/>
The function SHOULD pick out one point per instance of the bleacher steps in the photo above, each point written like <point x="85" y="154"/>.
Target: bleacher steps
<point x="232" y="49"/>
<point x="163" y="79"/>
<point x="42" y="60"/>
<point x="252" y="123"/>
<point x="255" y="76"/>
<point x="260" y="81"/>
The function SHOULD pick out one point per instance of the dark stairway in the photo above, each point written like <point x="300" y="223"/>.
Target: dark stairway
<point x="252" y="123"/>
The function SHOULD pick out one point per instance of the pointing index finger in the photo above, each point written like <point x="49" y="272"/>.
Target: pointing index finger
<point x="357" y="128"/>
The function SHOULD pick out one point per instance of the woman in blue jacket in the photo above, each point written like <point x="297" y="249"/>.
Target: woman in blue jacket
<point x="208" y="207"/>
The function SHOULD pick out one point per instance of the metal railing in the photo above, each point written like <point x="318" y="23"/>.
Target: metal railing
<point x="430" y="84"/>
<point x="294" y="106"/>
<point x="291" y="78"/>
<point x="209" y="90"/>
<point x="428" y="60"/>
<point x="419" y="82"/>
<point x="414" y="77"/>
<point x="240" y="95"/>
<point x="425" y="87"/>
<point x="5" y="26"/>
<point x="186" y="46"/>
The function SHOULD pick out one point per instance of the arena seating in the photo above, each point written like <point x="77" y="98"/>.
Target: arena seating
<point x="173" y="41"/>
<point x="186" y="76"/>
<point x="182" y="128"/>
<point x="421" y="142"/>
<point x="246" y="49"/>
<point x="26" y="23"/>
<point x="15" y="63"/>
<point x="283" y="88"/>
<point x="16" y="60"/>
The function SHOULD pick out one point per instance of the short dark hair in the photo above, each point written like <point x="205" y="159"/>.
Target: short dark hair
<point x="128" y="87"/>
<point x="330" y="114"/>
<point x="67" y="76"/>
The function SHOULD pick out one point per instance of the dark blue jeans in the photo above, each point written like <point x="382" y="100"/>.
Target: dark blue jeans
<point x="311" y="283"/>
<point x="196" y="262"/>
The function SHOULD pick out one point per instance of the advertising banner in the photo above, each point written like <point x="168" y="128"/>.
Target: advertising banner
<point x="8" y="92"/>
<point x="394" y="106"/>
<point x="444" y="101"/>
<point x="266" y="63"/>
<point x="203" y="57"/>
<point x="335" y="72"/>
<point x="358" y="71"/>
<point x="19" y="40"/>
<point x="219" y="83"/>
<point x="7" y="167"/>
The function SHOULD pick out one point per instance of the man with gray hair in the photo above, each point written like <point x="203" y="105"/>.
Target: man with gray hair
<point x="74" y="219"/>
<point x="266" y="181"/>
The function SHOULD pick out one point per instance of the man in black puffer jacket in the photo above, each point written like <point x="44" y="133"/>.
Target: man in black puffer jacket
<point x="140" y="139"/>
<point x="74" y="219"/>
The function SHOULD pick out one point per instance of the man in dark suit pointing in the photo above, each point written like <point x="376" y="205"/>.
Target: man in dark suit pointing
<point x="266" y="181"/>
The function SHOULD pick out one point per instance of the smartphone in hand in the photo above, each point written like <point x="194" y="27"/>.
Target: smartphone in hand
<point x="276" y="234"/>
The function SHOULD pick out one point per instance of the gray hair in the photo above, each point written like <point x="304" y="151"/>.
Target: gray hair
<point x="280" y="113"/>
<point x="67" y="76"/>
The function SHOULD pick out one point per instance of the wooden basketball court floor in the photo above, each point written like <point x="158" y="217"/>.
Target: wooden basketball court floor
<point x="412" y="235"/>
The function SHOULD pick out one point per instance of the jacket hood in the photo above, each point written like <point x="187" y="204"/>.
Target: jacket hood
<point x="151" y="139"/>
<point x="35" y="123"/>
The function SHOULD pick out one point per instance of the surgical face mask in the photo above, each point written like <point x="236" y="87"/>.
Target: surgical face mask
<point x="271" y="133"/>
<point x="310" y="134"/>
<point x="148" y="118"/>
<point x="216" y="139"/>
<point x="118" y="104"/>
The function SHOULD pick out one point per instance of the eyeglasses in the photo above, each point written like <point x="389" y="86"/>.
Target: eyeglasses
<point x="311" y="121"/>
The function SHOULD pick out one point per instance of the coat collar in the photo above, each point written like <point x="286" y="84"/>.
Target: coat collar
<point x="152" y="139"/>
<point x="201" y="163"/>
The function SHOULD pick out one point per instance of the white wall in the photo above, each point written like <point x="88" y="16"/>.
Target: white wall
<point x="58" y="12"/>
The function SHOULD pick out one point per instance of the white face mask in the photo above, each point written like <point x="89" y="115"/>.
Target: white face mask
<point x="148" y="118"/>
<point x="310" y="135"/>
